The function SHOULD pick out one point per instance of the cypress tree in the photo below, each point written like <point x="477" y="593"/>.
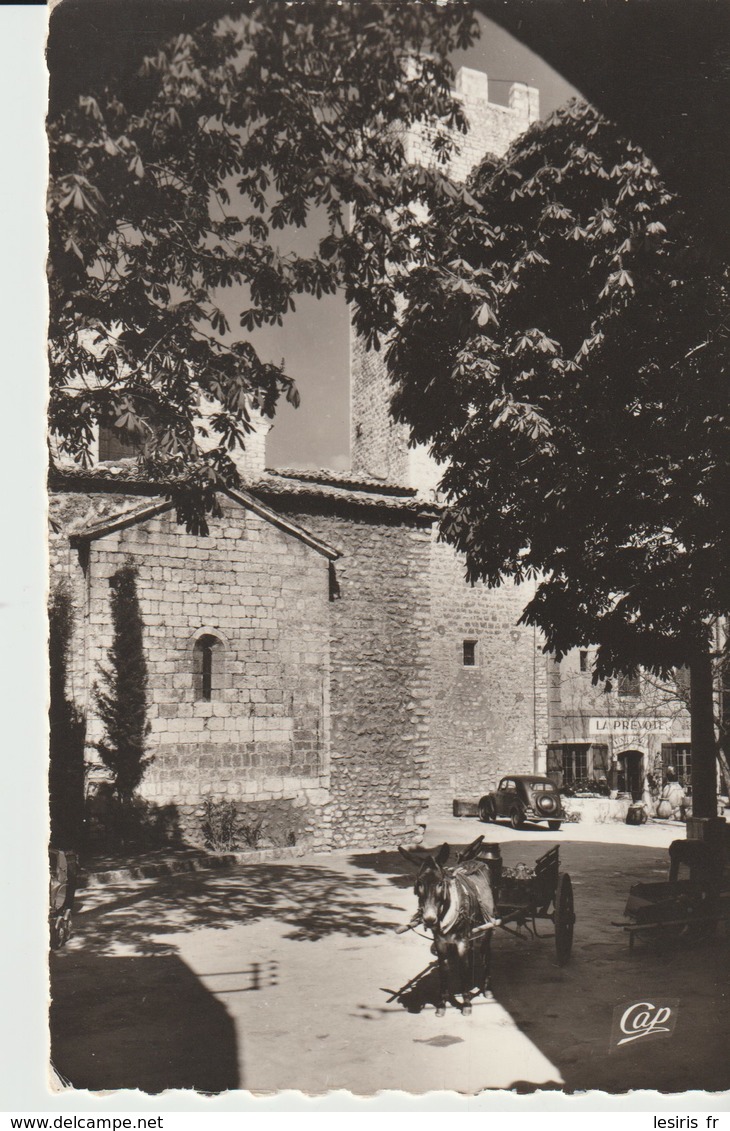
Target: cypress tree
<point x="122" y="702"/>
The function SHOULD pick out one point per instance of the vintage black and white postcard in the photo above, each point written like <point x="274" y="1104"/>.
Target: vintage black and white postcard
<point x="387" y="592"/>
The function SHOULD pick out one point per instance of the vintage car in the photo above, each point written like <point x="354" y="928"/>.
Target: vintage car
<point x="523" y="797"/>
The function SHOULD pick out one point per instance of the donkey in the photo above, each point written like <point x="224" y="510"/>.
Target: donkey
<point x="452" y="903"/>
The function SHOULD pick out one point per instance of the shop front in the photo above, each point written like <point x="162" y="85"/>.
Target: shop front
<point x="626" y="756"/>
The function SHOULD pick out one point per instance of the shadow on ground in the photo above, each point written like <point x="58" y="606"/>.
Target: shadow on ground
<point x="313" y="901"/>
<point x="155" y="1026"/>
<point x="423" y="991"/>
<point x="166" y="1029"/>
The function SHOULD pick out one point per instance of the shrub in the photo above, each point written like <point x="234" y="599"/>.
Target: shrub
<point x="226" y="826"/>
<point x="67" y="730"/>
<point x="135" y="823"/>
<point x="252" y="832"/>
<point x="572" y="816"/>
<point x="220" y="825"/>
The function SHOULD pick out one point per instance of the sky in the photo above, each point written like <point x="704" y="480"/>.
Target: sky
<point x="314" y="341"/>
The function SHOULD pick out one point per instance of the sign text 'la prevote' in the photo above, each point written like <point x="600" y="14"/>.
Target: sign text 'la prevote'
<point x="639" y="724"/>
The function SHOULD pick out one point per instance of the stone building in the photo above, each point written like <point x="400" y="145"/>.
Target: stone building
<point x="318" y="656"/>
<point x="619" y="731"/>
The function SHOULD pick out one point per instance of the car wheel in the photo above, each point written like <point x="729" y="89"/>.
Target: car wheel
<point x="486" y="812"/>
<point x="516" y="818"/>
<point x="554" y="825"/>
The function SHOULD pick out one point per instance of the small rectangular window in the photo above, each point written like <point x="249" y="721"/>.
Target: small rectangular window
<point x="583" y="657"/>
<point x="207" y="659"/>
<point x="114" y="445"/>
<point x="469" y="653"/>
<point x="207" y="672"/>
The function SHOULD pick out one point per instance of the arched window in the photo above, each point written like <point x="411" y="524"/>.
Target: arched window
<point x="207" y="666"/>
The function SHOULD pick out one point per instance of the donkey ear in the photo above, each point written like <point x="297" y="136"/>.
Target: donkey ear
<point x="410" y="856"/>
<point x="442" y="855"/>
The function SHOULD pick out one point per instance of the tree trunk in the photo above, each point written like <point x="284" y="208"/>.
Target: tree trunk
<point x="723" y="746"/>
<point x="704" y="757"/>
<point x="724" y="770"/>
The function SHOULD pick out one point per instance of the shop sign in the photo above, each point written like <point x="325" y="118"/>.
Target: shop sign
<point x="638" y="724"/>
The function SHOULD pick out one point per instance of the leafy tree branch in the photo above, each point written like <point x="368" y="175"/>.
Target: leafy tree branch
<point x="563" y="351"/>
<point x="168" y="187"/>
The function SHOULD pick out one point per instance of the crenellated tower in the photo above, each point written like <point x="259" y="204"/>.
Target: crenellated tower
<point x="379" y="446"/>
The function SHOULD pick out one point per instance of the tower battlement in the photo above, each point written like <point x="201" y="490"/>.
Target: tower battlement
<point x="492" y="127"/>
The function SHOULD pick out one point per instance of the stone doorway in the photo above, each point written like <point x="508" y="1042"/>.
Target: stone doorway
<point x="631" y="770"/>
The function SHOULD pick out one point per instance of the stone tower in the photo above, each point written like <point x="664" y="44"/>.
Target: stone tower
<point x="379" y="447"/>
<point x="488" y="693"/>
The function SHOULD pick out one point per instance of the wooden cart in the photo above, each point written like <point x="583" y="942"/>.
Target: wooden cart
<point x="689" y="909"/>
<point x="547" y="893"/>
<point x="543" y="892"/>
<point x="674" y="909"/>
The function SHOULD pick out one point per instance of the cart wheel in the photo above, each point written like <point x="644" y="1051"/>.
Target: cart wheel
<point x="516" y="819"/>
<point x="564" y="918"/>
<point x="60" y="930"/>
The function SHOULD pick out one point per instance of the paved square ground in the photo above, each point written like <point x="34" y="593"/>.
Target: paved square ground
<point x="278" y="975"/>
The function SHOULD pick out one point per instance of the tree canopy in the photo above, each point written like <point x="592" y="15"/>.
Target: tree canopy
<point x="565" y="354"/>
<point x="183" y="178"/>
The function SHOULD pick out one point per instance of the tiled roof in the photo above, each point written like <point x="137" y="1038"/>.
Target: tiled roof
<point x="290" y="485"/>
<point x="284" y="486"/>
<point x="123" y="470"/>
<point x="343" y="479"/>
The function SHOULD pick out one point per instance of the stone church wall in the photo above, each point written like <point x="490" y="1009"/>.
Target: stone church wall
<point x="490" y="718"/>
<point x="380" y="665"/>
<point x="263" y="736"/>
<point x="379" y="446"/>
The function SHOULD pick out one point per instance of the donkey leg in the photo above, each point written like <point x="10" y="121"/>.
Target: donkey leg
<point x="486" y="971"/>
<point x="465" y="960"/>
